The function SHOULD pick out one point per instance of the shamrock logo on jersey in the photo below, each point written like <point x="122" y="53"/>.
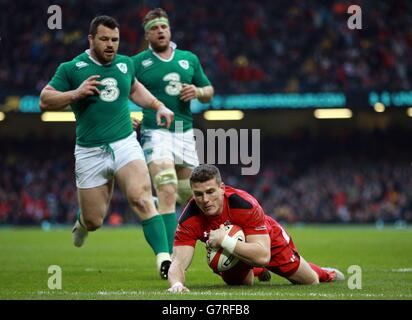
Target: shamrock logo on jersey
<point x="122" y="67"/>
<point x="184" y="64"/>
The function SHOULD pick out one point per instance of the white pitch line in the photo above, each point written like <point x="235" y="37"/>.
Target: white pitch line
<point x="109" y="270"/>
<point x="221" y="293"/>
<point x="402" y="270"/>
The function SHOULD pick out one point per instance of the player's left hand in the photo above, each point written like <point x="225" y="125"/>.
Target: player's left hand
<point x="178" y="288"/>
<point x="135" y="124"/>
<point x="188" y="92"/>
<point x="165" y="113"/>
<point x="216" y="237"/>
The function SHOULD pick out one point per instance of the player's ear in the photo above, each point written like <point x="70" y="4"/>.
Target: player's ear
<point x="90" y="38"/>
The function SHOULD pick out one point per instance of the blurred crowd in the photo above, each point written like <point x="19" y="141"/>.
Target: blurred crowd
<point x="245" y="46"/>
<point x="356" y="178"/>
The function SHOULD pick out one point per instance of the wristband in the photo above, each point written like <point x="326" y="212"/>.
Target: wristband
<point x="229" y="244"/>
<point x="155" y="104"/>
<point x="200" y="92"/>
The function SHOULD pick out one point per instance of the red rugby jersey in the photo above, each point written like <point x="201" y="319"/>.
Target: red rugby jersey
<point x="239" y="208"/>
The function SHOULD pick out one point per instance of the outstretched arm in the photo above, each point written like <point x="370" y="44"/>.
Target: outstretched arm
<point x="182" y="257"/>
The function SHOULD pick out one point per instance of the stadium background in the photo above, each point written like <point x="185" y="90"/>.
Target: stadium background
<point x="271" y="55"/>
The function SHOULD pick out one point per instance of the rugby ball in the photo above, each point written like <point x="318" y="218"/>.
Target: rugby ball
<point x="221" y="260"/>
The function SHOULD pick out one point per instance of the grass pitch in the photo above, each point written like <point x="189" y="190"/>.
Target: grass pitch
<point x="118" y="264"/>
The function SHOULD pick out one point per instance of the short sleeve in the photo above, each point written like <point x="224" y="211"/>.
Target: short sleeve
<point x="254" y="222"/>
<point x="199" y="78"/>
<point x="184" y="237"/>
<point x="61" y="80"/>
<point x="132" y="71"/>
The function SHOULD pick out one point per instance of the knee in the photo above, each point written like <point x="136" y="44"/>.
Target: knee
<point x="142" y="205"/>
<point x="165" y="183"/>
<point x="93" y="224"/>
<point x="167" y="193"/>
<point x="314" y="281"/>
<point x="184" y="191"/>
<point x="311" y="280"/>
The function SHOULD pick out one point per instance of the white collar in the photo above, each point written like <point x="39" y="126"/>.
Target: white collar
<point x="94" y="60"/>
<point x="172" y="45"/>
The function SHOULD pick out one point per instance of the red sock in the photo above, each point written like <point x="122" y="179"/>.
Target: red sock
<point x="324" y="276"/>
<point x="257" y="271"/>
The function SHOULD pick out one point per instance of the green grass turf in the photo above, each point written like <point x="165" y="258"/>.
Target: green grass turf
<point x="118" y="264"/>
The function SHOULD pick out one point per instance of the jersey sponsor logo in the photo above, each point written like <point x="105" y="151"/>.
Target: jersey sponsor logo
<point x="122" y="67"/>
<point x="260" y="228"/>
<point x="147" y="63"/>
<point x="174" y="85"/>
<point x="184" y="64"/>
<point x="110" y="92"/>
<point x="81" y="64"/>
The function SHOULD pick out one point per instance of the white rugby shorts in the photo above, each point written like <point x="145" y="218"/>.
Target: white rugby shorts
<point x="179" y="147"/>
<point x="95" y="166"/>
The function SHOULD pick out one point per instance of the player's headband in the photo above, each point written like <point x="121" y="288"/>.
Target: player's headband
<point x="153" y="22"/>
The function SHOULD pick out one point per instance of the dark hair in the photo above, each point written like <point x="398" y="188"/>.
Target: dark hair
<point x="153" y="14"/>
<point x="205" y="172"/>
<point x="102" y="20"/>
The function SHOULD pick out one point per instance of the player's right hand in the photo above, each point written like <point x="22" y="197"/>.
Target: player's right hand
<point x="87" y="88"/>
<point x="178" y="287"/>
<point x="167" y="114"/>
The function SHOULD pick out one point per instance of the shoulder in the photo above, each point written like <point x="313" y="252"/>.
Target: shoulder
<point x="239" y="199"/>
<point x="123" y="58"/>
<point x="140" y="56"/>
<point x="77" y="62"/>
<point x="191" y="210"/>
<point x="186" y="54"/>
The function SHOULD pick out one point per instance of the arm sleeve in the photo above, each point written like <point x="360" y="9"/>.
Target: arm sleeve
<point x="61" y="80"/>
<point x="199" y="78"/>
<point x="136" y="66"/>
<point x="255" y="221"/>
<point x="132" y="71"/>
<point x="185" y="235"/>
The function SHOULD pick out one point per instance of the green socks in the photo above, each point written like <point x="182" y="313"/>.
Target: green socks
<point x="170" y="222"/>
<point x="155" y="233"/>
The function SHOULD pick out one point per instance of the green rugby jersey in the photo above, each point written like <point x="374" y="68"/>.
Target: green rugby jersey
<point x="104" y="118"/>
<point x="164" y="80"/>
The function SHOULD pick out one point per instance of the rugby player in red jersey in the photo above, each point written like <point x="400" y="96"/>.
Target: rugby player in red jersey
<point x="267" y="244"/>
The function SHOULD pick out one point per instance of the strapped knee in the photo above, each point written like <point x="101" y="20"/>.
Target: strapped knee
<point x="167" y="176"/>
<point x="184" y="191"/>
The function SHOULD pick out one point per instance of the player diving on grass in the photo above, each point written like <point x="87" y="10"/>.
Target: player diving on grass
<point x="268" y="247"/>
<point x="97" y="85"/>
<point x="175" y="77"/>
